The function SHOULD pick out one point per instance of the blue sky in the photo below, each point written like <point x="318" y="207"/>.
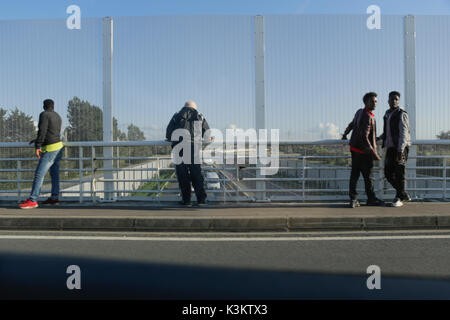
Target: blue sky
<point x="44" y="9"/>
<point x="317" y="67"/>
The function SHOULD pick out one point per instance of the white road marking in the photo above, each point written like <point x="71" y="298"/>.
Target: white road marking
<point x="210" y="239"/>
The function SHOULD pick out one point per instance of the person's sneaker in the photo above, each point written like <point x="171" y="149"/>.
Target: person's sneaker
<point x="397" y="202"/>
<point x="375" y="202"/>
<point x="28" y="204"/>
<point x="405" y="198"/>
<point x="354" y="203"/>
<point x="51" y="201"/>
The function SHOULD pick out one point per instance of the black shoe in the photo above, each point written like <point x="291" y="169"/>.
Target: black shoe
<point x="51" y="201"/>
<point x="354" y="203"/>
<point x="375" y="202"/>
<point x="405" y="197"/>
<point x="202" y="203"/>
<point x="185" y="203"/>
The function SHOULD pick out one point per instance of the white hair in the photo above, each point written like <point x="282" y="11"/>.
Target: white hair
<point x="191" y="104"/>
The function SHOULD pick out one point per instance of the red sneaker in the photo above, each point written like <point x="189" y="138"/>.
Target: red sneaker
<point x="50" y="201"/>
<point x="28" y="204"/>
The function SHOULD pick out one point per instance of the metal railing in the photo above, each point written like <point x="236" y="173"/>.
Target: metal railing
<point x="307" y="171"/>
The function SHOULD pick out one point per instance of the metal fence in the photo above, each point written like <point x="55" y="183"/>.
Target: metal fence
<point x="243" y="71"/>
<point x="307" y="171"/>
<point x="302" y="74"/>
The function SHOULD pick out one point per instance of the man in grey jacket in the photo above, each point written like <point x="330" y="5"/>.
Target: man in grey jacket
<point x="397" y="140"/>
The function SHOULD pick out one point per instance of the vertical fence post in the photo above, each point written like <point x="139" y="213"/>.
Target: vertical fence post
<point x="410" y="91"/>
<point x="107" y="106"/>
<point x="237" y="181"/>
<point x="19" y="177"/>
<point x="224" y="187"/>
<point x="93" y="174"/>
<point x="66" y="155"/>
<point x="80" y="171"/>
<point x="304" y="177"/>
<point x="444" y="176"/>
<point x="260" y="94"/>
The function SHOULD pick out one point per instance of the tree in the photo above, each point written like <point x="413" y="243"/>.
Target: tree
<point x="444" y="135"/>
<point x="86" y="124"/>
<point x="85" y="121"/>
<point x="444" y="149"/>
<point x="16" y="127"/>
<point x="3" y="112"/>
<point x="117" y="134"/>
<point x="135" y="134"/>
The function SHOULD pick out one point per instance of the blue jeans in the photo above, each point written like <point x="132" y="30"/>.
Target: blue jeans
<point x="49" y="160"/>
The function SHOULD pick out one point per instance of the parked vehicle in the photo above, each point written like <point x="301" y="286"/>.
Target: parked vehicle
<point x="212" y="185"/>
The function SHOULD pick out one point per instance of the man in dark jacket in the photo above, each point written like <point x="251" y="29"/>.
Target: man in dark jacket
<point x="363" y="147"/>
<point x="48" y="149"/>
<point x="189" y="171"/>
<point x="397" y="140"/>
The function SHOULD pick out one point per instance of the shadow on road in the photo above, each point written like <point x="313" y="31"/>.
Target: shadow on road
<point x="45" y="277"/>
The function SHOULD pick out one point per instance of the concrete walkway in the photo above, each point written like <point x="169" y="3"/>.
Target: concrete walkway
<point x="225" y="218"/>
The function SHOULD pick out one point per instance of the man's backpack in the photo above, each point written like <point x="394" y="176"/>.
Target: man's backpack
<point x="179" y="122"/>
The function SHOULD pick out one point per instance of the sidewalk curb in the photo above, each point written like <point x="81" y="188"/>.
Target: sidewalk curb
<point x="223" y="224"/>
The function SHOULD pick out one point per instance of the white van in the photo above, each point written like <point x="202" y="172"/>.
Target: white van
<point x="212" y="184"/>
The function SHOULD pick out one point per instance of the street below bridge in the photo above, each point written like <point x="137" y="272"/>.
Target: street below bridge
<point x="413" y="265"/>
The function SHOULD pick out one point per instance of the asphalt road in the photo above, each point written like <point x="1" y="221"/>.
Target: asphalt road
<point x="413" y="265"/>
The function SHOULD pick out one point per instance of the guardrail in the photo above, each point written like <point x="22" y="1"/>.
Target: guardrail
<point x="305" y="173"/>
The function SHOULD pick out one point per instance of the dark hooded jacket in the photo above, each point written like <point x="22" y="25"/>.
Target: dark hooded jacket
<point x="185" y="119"/>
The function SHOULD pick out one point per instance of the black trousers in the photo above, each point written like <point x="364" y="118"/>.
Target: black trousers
<point x="187" y="173"/>
<point x="395" y="171"/>
<point x="361" y="163"/>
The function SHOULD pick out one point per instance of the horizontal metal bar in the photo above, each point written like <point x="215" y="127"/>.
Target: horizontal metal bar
<point x="130" y="169"/>
<point x="44" y="191"/>
<point x="36" y="159"/>
<point x="166" y="143"/>
<point x="131" y="158"/>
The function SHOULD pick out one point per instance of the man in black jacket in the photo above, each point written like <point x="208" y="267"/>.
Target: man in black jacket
<point x="363" y="147"/>
<point x="189" y="170"/>
<point x="49" y="150"/>
<point x="397" y="140"/>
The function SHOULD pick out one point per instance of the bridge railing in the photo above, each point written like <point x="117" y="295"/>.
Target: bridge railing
<point x="144" y="171"/>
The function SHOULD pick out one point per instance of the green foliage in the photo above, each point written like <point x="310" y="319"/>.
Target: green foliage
<point x="85" y="121"/>
<point x="153" y="185"/>
<point x="444" y="135"/>
<point x="117" y="134"/>
<point x="86" y="124"/>
<point x="135" y="134"/>
<point x="16" y="127"/>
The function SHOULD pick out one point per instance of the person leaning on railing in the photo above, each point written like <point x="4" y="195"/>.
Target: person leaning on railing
<point x="49" y="150"/>
<point x="363" y="147"/>
<point x="190" y="172"/>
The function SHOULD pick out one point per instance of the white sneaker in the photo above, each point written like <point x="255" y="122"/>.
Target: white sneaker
<point x="397" y="202"/>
